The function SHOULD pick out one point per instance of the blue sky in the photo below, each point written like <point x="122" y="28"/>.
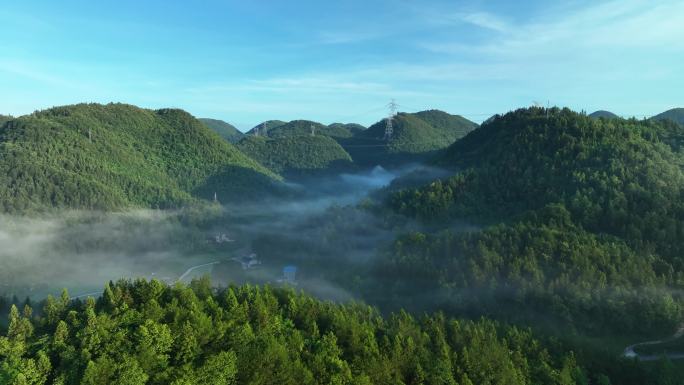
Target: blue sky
<point x="248" y="61"/>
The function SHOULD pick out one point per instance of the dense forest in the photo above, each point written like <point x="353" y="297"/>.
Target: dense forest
<point x="415" y="137"/>
<point x="144" y="332"/>
<point x="273" y="129"/>
<point x="226" y="130"/>
<point x="94" y="156"/>
<point x="264" y="127"/>
<point x="532" y="250"/>
<point x="293" y="156"/>
<point x="582" y="225"/>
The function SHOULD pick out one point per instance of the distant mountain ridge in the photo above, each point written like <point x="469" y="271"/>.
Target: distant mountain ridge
<point x="603" y="114"/>
<point x="415" y="137"/>
<point x="225" y="129"/>
<point x="264" y="127"/>
<point x="675" y="114"/>
<point x="294" y="156"/>
<point x="277" y="128"/>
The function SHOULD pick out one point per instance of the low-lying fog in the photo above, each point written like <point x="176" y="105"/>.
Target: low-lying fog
<point x="82" y="250"/>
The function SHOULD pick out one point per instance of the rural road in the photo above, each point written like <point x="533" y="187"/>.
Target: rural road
<point x="187" y="272"/>
<point x="630" y="353"/>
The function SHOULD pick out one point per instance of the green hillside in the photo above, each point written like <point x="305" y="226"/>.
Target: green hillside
<point x="603" y="114"/>
<point x="353" y="128"/>
<point x="415" y="137"/>
<point x="582" y="224"/>
<point x="265" y="127"/>
<point x="226" y="130"/>
<point x="149" y="333"/>
<point x="296" y="156"/>
<point x="274" y="129"/>
<point x="115" y="156"/>
<point x="676" y="115"/>
<point x="4" y="118"/>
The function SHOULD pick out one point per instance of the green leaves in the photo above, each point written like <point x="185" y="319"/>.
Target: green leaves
<point x="272" y="336"/>
<point x="92" y="156"/>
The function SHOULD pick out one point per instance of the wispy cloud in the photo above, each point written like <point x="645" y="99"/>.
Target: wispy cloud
<point x="347" y="37"/>
<point x="482" y="20"/>
<point x="27" y="71"/>
<point x="613" y="25"/>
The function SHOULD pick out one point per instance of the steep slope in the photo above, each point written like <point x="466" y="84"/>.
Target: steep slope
<point x="676" y="115"/>
<point x="115" y="156"/>
<point x="603" y="114"/>
<point x="226" y="130"/>
<point x="526" y="160"/>
<point x="296" y="156"/>
<point x="415" y="137"/>
<point x="581" y="219"/>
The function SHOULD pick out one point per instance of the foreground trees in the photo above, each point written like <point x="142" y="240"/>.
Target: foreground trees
<point x="146" y="333"/>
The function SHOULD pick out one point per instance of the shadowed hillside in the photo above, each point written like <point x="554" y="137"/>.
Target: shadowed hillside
<point x="676" y="115"/>
<point x="226" y="130"/>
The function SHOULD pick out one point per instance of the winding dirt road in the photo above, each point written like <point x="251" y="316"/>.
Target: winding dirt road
<point x="630" y="353"/>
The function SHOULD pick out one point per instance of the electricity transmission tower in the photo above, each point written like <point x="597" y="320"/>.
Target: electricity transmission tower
<point x="388" y="127"/>
<point x="313" y="130"/>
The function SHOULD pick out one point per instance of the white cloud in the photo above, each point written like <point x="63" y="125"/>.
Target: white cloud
<point x="484" y="20"/>
<point x="27" y="71"/>
<point x="622" y="24"/>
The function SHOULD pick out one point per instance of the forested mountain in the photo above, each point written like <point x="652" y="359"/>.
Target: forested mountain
<point x="353" y="128"/>
<point x="148" y="333"/>
<point x="415" y="137"/>
<point x="297" y="155"/>
<point x="603" y="114"/>
<point x="115" y="156"/>
<point x="266" y="126"/>
<point x="226" y="130"/>
<point x="676" y="115"/>
<point x="583" y="224"/>
<point x="273" y="129"/>
<point x="4" y="118"/>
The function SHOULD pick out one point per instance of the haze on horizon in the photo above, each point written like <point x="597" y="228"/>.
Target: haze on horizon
<point x="245" y="62"/>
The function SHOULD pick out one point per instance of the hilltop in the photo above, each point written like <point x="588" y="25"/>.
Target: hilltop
<point x="266" y="126"/>
<point x="603" y="114"/>
<point x="676" y="115"/>
<point x="277" y="129"/>
<point x="525" y="160"/>
<point x="116" y="156"/>
<point x="226" y="130"/>
<point x="297" y="156"/>
<point x="415" y="137"/>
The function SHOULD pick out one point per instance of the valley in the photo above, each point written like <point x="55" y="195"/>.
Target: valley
<point x="559" y="242"/>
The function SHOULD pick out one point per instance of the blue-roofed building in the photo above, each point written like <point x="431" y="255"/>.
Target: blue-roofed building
<point x="290" y="274"/>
